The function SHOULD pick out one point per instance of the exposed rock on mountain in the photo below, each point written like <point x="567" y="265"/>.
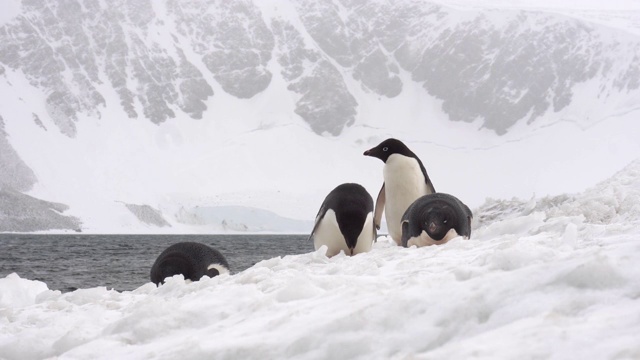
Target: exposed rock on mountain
<point x="161" y="57"/>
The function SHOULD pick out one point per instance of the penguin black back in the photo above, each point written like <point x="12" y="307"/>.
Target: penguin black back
<point x="351" y="204"/>
<point x="192" y="260"/>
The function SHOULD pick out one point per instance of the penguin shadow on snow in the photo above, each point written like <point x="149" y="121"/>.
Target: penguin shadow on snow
<point x="345" y="221"/>
<point x="415" y="213"/>
<point x="190" y="259"/>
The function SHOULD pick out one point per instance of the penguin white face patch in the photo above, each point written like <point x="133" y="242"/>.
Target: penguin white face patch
<point x="425" y="240"/>
<point x="221" y="268"/>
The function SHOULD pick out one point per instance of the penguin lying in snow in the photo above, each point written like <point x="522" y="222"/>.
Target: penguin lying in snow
<point x="435" y="219"/>
<point x="405" y="180"/>
<point x="345" y="221"/>
<point x="192" y="260"/>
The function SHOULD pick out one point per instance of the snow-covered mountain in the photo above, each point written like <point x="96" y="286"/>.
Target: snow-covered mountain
<point x="133" y="116"/>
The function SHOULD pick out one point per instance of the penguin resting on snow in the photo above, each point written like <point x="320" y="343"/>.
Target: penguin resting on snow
<point x="435" y="219"/>
<point x="345" y="221"/>
<point x="192" y="260"/>
<point x="405" y="180"/>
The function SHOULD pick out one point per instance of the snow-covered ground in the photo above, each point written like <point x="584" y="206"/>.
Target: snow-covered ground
<point x="548" y="278"/>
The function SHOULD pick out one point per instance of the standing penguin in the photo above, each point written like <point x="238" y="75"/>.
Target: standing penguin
<point x="405" y="180"/>
<point x="192" y="260"/>
<point x="345" y="221"/>
<point x="435" y="219"/>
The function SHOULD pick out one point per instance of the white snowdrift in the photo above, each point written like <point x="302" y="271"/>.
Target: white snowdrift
<point x="550" y="278"/>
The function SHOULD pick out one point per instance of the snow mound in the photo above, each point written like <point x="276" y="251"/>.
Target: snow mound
<point x="614" y="200"/>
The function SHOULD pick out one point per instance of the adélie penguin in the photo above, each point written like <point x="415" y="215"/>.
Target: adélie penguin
<point x="191" y="259"/>
<point x="435" y="219"/>
<point x="345" y="221"/>
<point x="405" y="180"/>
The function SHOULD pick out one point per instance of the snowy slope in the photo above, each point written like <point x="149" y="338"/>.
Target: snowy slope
<point x="172" y="106"/>
<point x="556" y="278"/>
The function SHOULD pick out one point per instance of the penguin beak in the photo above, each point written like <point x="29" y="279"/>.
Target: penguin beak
<point x="432" y="227"/>
<point x="368" y="152"/>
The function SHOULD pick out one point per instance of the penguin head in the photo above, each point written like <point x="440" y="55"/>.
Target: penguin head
<point x="350" y="222"/>
<point x="438" y="221"/>
<point x="173" y="264"/>
<point x="389" y="147"/>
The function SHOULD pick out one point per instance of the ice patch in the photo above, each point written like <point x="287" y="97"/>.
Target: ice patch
<point x="597" y="274"/>
<point x="570" y="235"/>
<point x="297" y="289"/>
<point x="515" y="226"/>
<point x="16" y="292"/>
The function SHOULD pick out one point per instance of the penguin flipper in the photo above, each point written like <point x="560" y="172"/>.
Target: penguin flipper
<point x="375" y="233"/>
<point x="405" y="232"/>
<point x="377" y="215"/>
<point x="430" y="188"/>
<point x="469" y="216"/>
<point x="319" y="217"/>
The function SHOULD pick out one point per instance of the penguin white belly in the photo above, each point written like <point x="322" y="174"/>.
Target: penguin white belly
<point x="404" y="183"/>
<point x="425" y="240"/>
<point x="328" y="233"/>
<point x="365" y="239"/>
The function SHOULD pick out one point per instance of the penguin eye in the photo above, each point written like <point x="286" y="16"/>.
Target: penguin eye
<point x="385" y="148"/>
<point x="445" y="221"/>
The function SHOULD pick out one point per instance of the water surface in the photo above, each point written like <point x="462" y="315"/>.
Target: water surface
<point x="123" y="262"/>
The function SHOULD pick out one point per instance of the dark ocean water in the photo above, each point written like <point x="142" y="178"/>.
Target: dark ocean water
<point x="123" y="262"/>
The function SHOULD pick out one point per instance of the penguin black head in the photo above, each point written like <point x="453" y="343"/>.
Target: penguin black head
<point x="345" y="218"/>
<point x="438" y="221"/>
<point x="430" y="219"/>
<point x="389" y="147"/>
<point x="190" y="259"/>
<point x="350" y="222"/>
<point x="174" y="264"/>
